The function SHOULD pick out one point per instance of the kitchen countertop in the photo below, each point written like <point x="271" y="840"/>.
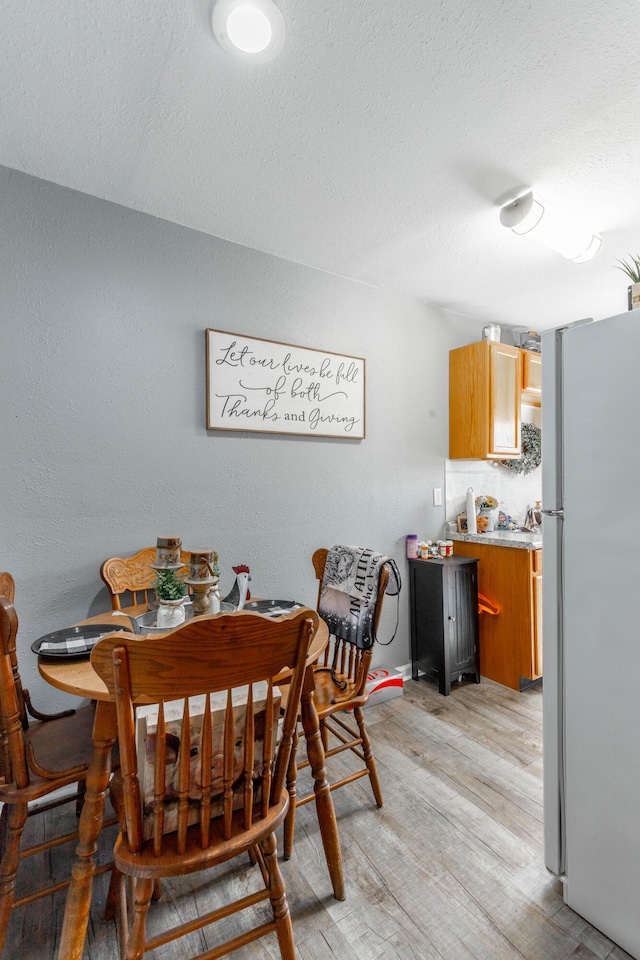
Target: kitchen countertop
<point x="521" y="539"/>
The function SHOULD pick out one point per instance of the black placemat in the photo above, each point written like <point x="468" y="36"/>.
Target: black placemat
<point x="73" y="643"/>
<point x="274" y="608"/>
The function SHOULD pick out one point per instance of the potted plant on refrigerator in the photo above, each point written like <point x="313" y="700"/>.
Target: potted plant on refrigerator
<point x="632" y="270"/>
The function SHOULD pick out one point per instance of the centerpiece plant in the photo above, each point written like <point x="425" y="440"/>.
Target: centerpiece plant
<point x="171" y="591"/>
<point x="168" y="585"/>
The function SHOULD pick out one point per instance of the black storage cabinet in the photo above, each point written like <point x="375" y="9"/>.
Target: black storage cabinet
<point x="444" y="619"/>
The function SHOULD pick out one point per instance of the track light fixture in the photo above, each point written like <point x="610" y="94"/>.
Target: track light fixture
<point x="551" y="227"/>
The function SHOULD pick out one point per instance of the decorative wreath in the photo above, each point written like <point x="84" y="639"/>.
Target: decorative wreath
<point x="531" y="445"/>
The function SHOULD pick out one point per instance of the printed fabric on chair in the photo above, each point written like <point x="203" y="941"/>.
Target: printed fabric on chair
<point x="36" y="760"/>
<point x="353" y="583"/>
<point x="203" y="771"/>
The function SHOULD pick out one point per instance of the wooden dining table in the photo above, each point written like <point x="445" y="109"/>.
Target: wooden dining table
<point x="78" y="677"/>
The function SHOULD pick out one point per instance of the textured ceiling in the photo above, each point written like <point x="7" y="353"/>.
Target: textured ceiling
<point x="378" y="146"/>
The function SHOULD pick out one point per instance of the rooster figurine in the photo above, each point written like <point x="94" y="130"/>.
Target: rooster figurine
<point x="240" y="590"/>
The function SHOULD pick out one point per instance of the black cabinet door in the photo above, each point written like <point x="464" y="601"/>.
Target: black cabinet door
<point x="444" y="619"/>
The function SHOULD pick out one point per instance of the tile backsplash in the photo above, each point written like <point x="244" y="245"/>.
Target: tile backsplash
<point x="514" y="493"/>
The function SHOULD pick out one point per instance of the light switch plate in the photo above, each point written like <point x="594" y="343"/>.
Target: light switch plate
<point x="437" y="496"/>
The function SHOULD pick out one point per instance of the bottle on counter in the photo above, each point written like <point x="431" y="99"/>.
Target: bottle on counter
<point x="412" y="546"/>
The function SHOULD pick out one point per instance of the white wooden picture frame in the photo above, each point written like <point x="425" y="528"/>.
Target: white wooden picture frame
<point x="272" y="387"/>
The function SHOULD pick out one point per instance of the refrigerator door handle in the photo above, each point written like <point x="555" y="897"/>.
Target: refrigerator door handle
<point x="553" y="611"/>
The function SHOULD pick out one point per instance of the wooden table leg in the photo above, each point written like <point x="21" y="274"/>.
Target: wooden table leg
<point x="324" y="801"/>
<point x="78" y="906"/>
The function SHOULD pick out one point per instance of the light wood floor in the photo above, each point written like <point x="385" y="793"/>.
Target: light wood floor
<point x="450" y="868"/>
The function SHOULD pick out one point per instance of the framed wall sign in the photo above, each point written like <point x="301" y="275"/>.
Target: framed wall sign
<point x="272" y="387"/>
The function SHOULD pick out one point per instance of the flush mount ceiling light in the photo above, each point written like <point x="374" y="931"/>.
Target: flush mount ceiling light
<point x="551" y="227"/>
<point x="251" y="29"/>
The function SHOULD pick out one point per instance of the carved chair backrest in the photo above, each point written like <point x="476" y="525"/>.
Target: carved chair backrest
<point x="349" y="664"/>
<point x="7" y="586"/>
<point x="132" y="575"/>
<point x="8" y="590"/>
<point x="229" y="764"/>
<point x="13" y="714"/>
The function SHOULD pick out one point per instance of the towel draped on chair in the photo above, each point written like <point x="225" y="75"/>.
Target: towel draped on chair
<point x="349" y="592"/>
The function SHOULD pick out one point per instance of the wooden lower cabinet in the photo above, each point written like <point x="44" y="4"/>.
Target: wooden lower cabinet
<point x="511" y="641"/>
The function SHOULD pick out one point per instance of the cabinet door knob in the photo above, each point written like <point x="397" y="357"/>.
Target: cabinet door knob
<point x="452" y="618"/>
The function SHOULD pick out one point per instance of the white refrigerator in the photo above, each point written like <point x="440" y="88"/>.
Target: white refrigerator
<point x="591" y="619"/>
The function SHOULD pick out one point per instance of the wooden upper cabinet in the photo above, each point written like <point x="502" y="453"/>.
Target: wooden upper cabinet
<point x="532" y="378"/>
<point x="485" y="386"/>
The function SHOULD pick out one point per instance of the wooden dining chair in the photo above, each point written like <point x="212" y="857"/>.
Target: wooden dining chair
<point x="203" y="781"/>
<point x="8" y="590"/>
<point x="38" y="760"/>
<point x="340" y="692"/>
<point x="131" y="578"/>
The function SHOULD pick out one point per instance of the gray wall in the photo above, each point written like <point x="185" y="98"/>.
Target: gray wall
<point x="103" y="438"/>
